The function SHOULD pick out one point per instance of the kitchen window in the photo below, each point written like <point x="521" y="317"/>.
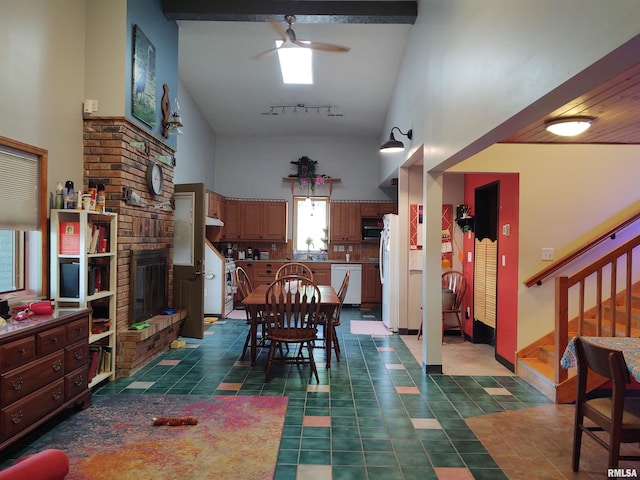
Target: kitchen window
<point x="311" y="222"/>
<point x="23" y="220"/>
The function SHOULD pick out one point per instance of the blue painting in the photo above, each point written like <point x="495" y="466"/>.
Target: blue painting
<point x="143" y="94"/>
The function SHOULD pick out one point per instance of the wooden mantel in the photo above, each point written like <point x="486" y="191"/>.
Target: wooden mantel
<point x="327" y="181"/>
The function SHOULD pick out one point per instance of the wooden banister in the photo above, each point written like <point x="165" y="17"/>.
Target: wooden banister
<point x="561" y="262"/>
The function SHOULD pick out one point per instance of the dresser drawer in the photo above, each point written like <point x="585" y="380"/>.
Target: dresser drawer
<point x="20" y="415"/>
<point x="76" y="356"/>
<point x="16" y="353"/>
<point x="77" y="330"/>
<point x="75" y="382"/>
<point x="50" y="340"/>
<point x="21" y="381"/>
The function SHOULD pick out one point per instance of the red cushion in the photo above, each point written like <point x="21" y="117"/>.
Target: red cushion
<point x="48" y="464"/>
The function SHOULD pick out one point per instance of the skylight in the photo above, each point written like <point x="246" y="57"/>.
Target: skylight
<point x="295" y="64"/>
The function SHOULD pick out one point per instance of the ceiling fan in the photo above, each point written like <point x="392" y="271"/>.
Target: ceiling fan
<point x="289" y="39"/>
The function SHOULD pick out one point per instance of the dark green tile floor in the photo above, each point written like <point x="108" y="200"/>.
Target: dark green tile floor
<point x="374" y="415"/>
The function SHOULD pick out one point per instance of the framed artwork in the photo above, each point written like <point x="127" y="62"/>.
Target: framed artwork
<point x="143" y="92"/>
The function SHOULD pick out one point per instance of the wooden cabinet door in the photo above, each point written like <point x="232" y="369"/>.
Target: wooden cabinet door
<point x="232" y="221"/>
<point x="345" y="222"/>
<point x="274" y="224"/>
<point x="321" y="272"/>
<point x="371" y="286"/>
<point x="252" y="220"/>
<point x="214" y="202"/>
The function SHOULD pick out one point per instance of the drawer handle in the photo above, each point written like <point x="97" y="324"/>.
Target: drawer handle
<point x="54" y="340"/>
<point x="17" y="384"/>
<point x="78" y="354"/>
<point x="78" y="329"/>
<point x="57" y="395"/>
<point x="22" y="351"/>
<point x="57" y="365"/>
<point x="16" y="418"/>
<point x="79" y="380"/>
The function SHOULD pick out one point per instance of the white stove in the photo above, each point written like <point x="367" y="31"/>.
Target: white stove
<point x="230" y="285"/>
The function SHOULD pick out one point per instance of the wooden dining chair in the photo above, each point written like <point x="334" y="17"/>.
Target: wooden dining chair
<point x="615" y="414"/>
<point x="335" y="319"/>
<point x="292" y="303"/>
<point x="294" y="268"/>
<point x="245" y="288"/>
<point x="454" y="286"/>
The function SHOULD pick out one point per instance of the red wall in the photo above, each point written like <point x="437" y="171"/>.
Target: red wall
<point x="507" y="296"/>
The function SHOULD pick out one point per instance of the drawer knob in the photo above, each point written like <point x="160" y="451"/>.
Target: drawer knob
<point x="78" y="354"/>
<point x="16" y="418"/>
<point x="17" y="384"/>
<point x="79" y="380"/>
<point x="57" y="395"/>
<point x="22" y="351"/>
<point x="57" y="365"/>
<point x="54" y="340"/>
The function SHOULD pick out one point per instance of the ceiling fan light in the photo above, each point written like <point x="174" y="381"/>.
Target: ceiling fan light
<point x="569" y="127"/>
<point x="295" y="64"/>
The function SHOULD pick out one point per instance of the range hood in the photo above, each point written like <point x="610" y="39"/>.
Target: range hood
<point x="214" y="222"/>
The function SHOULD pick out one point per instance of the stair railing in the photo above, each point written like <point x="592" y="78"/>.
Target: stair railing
<point x="561" y="262"/>
<point x="589" y="283"/>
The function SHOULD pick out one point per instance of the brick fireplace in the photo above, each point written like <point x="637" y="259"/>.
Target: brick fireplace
<point x="117" y="153"/>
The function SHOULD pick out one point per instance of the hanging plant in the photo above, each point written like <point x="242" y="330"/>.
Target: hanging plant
<point x="306" y="173"/>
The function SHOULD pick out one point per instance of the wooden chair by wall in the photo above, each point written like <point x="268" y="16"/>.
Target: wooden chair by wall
<point x="292" y="304"/>
<point x="614" y="414"/>
<point x="454" y="282"/>
<point x="294" y="268"/>
<point x="245" y="288"/>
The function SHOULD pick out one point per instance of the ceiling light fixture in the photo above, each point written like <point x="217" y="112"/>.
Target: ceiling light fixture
<point x="569" y="126"/>
<point x="295" y="64"/>
<point x="392" y="145"/>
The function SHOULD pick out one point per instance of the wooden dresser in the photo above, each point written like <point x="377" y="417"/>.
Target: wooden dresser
<point x="43" y="370"/>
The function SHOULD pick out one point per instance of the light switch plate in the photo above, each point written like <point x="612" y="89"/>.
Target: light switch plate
<point x="547" y="254"/>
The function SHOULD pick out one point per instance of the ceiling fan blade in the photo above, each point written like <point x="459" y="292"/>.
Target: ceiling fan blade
<point x="278" y="29"/>
<point x="263" y="54"/>
<point x="326" y="47"/>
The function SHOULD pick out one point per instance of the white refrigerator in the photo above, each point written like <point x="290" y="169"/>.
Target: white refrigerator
<point x="390" y="271"/>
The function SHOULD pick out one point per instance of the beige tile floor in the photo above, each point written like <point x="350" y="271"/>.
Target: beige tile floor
<point x="460" y="357"/>
<point x="532" y="443"/>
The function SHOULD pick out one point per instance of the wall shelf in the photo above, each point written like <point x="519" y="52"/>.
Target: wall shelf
<point x="327" y="181"/>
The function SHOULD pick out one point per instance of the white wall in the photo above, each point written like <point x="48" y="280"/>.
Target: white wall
<point x="195" y="154"/>
<point x="253" y="166"/>
<point x="568" y="194"/>
<point x="42" y="80"/>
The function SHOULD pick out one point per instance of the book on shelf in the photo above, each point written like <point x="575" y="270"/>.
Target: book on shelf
<point x="98" y="243"/>
<point x="69" y="238"/>
<point x="70" y="280"/>
<point x="95" y="352"/>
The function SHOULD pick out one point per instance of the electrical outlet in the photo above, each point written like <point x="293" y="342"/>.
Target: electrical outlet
<point x="341" y="248"/>
<point x="273" y="246"/>
<point x="351" y="248"/>
<point x="335" y="248"/>
<point x="547" y="254"/>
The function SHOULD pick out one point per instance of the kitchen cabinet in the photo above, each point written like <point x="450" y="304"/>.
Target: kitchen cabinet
<point x="345" y="223"/>
<point x="215" y="205"/>
<point x="321" y="272"/>
<point x="43" y="367"/>
<point x="249" y="220"/>
<point x="371" y="286"/>
<point x="377" y="209"/>
<point x="232" y="220"/>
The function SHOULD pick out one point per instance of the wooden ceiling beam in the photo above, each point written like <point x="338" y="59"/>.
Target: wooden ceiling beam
<point x="309" y="11"/>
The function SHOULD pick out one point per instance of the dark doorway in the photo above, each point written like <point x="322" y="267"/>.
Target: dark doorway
<point x="486" y="205"/>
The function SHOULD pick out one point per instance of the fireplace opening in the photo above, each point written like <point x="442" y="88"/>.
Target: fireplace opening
<point x="149" y="283"/>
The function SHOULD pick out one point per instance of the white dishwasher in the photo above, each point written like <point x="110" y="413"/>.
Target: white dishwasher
<point x="354" y="292"/>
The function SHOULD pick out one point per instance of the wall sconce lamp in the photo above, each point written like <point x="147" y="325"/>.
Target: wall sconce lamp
<point x="171" y="119"/>
<point x="569" y="126"/>
<point x="392" y="145"/>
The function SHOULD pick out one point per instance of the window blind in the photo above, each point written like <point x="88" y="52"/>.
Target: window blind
<point x="19" y="190"/>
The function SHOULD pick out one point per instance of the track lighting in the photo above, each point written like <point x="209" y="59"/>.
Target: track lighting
<point x="392" y="145"/>
<point x="321" y="110"/>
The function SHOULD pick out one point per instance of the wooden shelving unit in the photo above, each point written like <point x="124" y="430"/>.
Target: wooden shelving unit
<point x="327" y="181"/>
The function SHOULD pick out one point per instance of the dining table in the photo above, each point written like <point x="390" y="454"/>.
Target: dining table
<point x="629" y="346"/>
<point x="255" y="303"/>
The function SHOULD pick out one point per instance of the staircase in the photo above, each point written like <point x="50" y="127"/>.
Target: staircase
<point x="539" y="362"/>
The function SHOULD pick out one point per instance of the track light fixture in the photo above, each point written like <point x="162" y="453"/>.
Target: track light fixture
<point x="317" y="110"/>
<point x="392" y="145"/>
<point x="569" y="126"/>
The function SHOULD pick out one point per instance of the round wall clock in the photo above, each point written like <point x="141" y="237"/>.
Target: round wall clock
<point x="154" y="178"/>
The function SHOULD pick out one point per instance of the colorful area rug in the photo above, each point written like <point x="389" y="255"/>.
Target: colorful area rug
<point x="368" y="327"/>
<point x="237" y="437"/>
